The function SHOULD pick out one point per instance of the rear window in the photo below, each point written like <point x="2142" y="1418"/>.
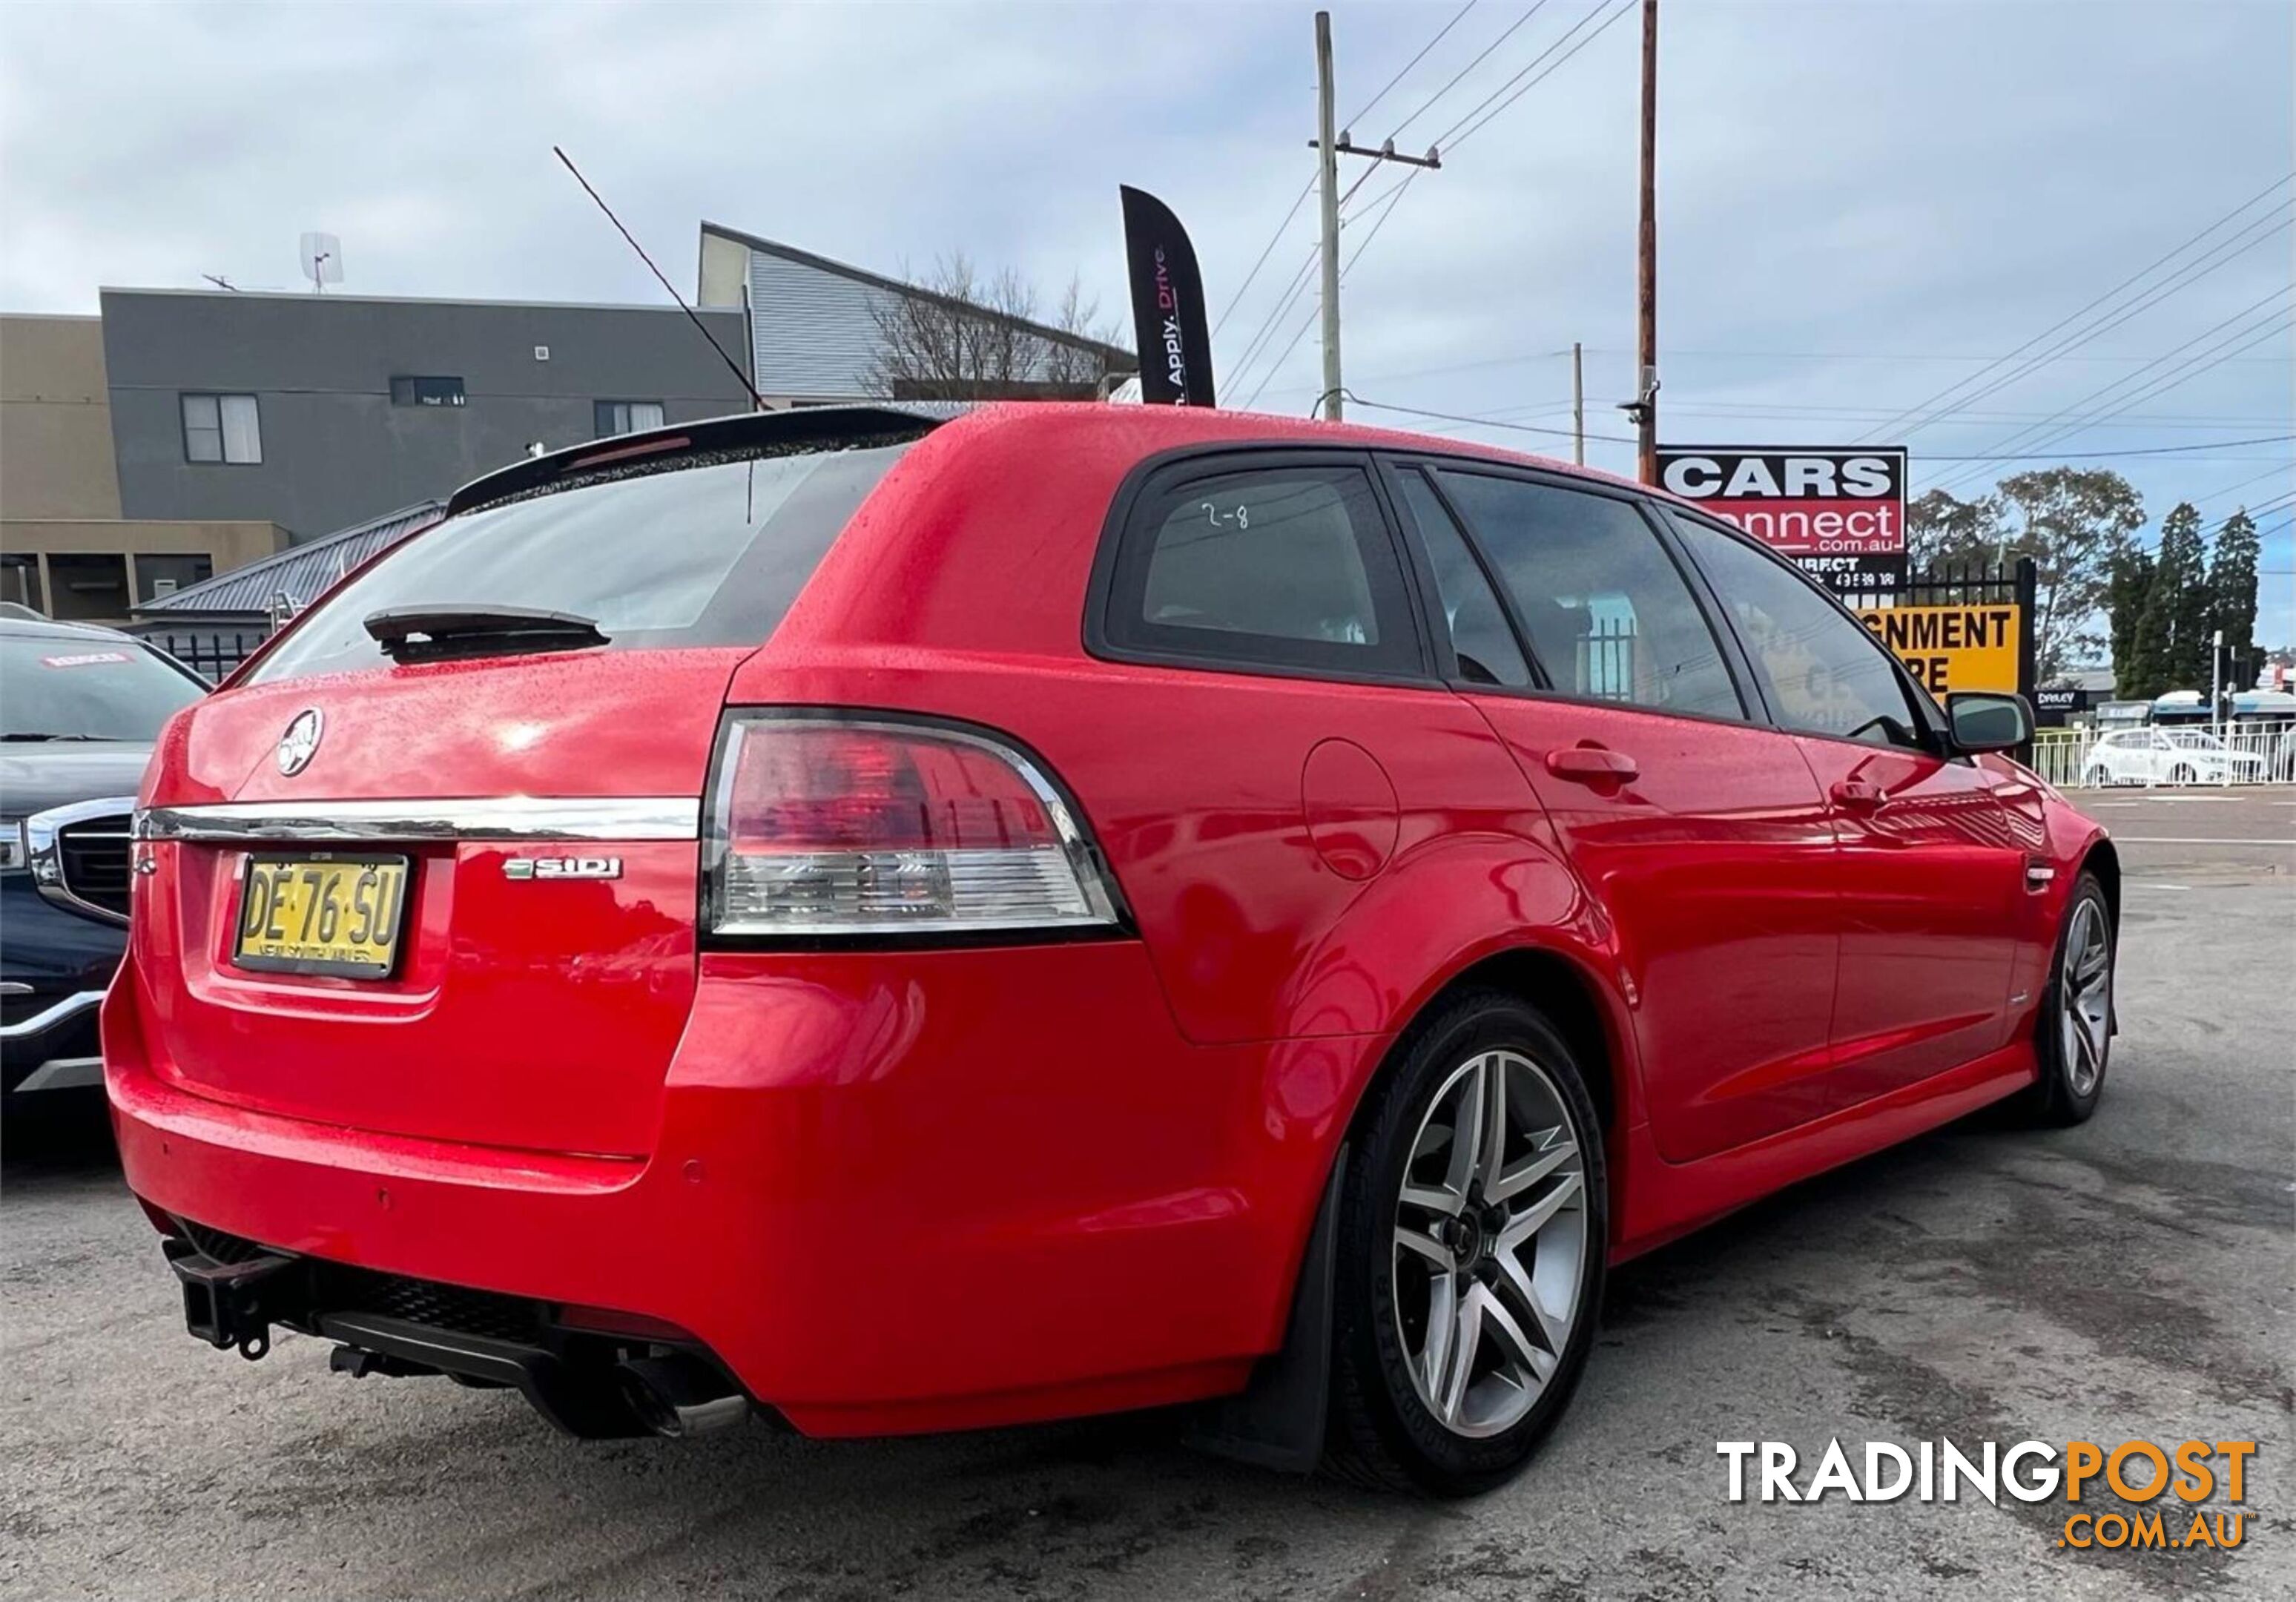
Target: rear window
<point x="711" y="552"/>
<point x="60" y="688"/>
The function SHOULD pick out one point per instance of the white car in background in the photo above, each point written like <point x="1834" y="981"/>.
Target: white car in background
<point x="2154" y="756"/>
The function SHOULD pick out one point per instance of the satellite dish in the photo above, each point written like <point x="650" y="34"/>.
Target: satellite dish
<point x="323" y="260"/>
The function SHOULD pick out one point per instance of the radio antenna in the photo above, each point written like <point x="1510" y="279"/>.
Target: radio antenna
<point x="699" y="328"/>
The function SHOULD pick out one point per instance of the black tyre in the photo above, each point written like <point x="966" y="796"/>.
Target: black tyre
<point x="2075" y="1041"/>
<point x="1469" y="1275"/>
<point x="2097" y="779"/>
<point x="2181" y="775"/>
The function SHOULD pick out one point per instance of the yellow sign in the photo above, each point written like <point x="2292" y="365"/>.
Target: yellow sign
<point x="1952" y="647"/>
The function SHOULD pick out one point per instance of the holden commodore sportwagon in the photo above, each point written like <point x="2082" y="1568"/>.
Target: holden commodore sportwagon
<point x="898" y="923"/>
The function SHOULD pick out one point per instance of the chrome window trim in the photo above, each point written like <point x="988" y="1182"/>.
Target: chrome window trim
<point x="478" y="818"/>
<point x="45" y="859"/>
<point x="56" y="1012"/>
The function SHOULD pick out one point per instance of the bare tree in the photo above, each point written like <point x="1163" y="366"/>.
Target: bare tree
<point x="965" y="337"/>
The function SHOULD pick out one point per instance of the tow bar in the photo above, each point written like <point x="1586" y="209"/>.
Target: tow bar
<point x="224" y="1302"/>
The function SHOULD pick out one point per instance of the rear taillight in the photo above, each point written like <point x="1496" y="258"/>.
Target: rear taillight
<point x="865" y="825"/>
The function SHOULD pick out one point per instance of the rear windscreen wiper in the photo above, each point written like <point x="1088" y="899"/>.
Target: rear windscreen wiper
<point x="435" y="633"/>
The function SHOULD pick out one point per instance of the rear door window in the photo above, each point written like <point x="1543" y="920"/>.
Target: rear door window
<point x="1481" y="638"/>
<point x="1285" y="566"/>
<point x="1610" y="617"/>
<point x="706" y="552"/>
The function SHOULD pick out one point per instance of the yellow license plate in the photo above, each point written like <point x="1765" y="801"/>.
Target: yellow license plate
<point x="328" y="914"/>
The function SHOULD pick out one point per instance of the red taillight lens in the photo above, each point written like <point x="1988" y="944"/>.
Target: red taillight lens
<point x="863" y="826"/>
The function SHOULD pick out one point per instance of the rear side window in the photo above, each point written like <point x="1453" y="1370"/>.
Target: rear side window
<point x="1609" y="614"/>
<point x="1280" y="566"/>
<point x="711" y="553"/>
<point x="1481" y="635"/>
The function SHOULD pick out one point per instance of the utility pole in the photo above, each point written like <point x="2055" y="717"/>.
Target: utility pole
<point x="1331" y="143"/>
<point x="1327" y="147"/>
<point x="1578" y="403"/>
<point x="1645" y="406"/>
<point x="2216" y="682"/>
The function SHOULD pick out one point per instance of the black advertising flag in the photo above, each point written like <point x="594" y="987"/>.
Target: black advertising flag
<point x="1167" y="304"/>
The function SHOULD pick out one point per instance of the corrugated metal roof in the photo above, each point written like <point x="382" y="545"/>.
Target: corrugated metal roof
<point x="302" y="571"/>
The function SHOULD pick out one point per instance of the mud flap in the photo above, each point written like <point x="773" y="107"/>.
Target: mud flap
<point x="1277" y="1420"/>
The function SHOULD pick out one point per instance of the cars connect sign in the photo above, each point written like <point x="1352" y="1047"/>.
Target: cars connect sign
<point x="1838" y="511"/>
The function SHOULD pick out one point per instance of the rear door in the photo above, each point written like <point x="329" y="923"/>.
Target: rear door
<point x="1276" y="737"/>
<point x="1700" y="832"/>
<point x="1931" y="873"/>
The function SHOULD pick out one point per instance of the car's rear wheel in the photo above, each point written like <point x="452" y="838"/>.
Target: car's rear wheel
<point x="2075" y="1041"/>
<point x="2098" y="777"/>
<point x="2181" y="775"/>
<point x="1472" y="1226"/>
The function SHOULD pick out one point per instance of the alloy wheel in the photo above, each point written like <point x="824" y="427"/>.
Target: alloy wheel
<point x="1490" y="1243"/>
<point x="2084" y="998"/>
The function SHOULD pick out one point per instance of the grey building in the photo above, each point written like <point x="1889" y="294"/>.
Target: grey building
<point x="319" y="412"/>
<point x="816" y="329"/>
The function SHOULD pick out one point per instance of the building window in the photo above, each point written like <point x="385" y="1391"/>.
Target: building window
<point x="426" y="391"/>
<point x="163" y="574"/>
<point x="20" y="581"/>
<point x="222" y="427"/>
<point x="88" y="589"/>
<point x="627" y="417"/>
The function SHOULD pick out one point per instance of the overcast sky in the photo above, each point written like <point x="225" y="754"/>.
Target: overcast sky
<point x="1860" y="203"/>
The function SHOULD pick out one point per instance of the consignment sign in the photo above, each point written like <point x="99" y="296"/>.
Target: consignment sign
<point x="1838" y="510"/>
<point x="1952" y="647"/>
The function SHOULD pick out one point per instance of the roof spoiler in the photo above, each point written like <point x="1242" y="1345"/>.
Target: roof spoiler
<point x="827" y="426"/>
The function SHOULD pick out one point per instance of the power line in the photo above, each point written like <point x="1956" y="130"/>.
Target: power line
<point x="2184" y="279"/>
<point x="1624" y="7"/>
<point x="1469" y="417"/>
<point x="2191" y="367"/>
<point x="1413" y="61"/>
<point x="1274" y="240"/>
<point x="2147" y="386"/>
<point x="2243" y="483"/>
<point x="2052" y="329"/>
<point x="1276" y="316"/>
<point x="1298" y="283"/>
<point x="1484" y="53"/>
<point x="1486" y="420"/>
<point x="1395" y="199"/>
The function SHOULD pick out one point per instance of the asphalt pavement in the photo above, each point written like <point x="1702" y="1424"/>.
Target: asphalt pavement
<point x="2133" y="1278"/>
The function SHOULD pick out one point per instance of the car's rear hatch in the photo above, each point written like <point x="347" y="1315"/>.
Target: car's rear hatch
<point x="518" y="834"/>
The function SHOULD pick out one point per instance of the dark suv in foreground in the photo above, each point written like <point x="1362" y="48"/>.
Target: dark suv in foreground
<point x="79" y="707"/>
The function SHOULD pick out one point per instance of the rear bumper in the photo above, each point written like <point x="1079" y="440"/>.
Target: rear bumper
<point x="888" y="1192"/>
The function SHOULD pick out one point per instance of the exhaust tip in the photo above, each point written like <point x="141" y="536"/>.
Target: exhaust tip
<point x="679" y="1395"/>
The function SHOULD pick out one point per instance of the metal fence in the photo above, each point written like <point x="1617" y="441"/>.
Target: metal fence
<point x="2159" y="755"/>
<point x="210" y="653"/>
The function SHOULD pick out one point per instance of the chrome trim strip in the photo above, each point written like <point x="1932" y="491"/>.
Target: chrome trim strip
<point x="64" y="1074"/>
<point x="485" y="817"/>
<point x="54" y="1014"/>
<point x="47" y="860"/>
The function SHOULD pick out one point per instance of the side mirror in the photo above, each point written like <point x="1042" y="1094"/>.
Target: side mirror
<point x="1981" y="720"/>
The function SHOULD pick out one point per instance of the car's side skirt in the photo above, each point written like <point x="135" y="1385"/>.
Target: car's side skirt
<point x="1658" y="1201"/>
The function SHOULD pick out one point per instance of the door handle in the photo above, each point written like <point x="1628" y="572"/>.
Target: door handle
<point x="1856" y="795"/>
<point x="1592" y="765"/>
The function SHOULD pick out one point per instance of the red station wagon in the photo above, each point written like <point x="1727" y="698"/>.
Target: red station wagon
<point x="897" y="923"/>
